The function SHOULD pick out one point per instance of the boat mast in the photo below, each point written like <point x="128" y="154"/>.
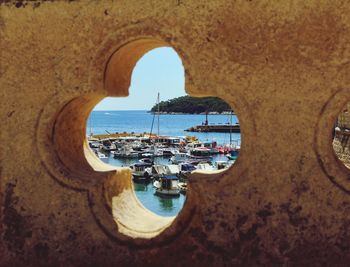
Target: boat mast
<point x="158" y="114"/>
<point x="230" y="128"/>
<point x="90" y="119"/>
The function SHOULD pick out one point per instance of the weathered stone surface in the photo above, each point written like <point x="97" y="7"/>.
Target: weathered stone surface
<point x="341" y="146"/>
<point x="282" y="65"/>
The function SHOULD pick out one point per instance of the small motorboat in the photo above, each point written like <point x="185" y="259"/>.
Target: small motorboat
<point x="179" y="157"/>
<point x="186" y="169"/>
<point x="233" y="154"/>
<point x="204" y="167"/>
<point x="200" y="153"/>
<point x="141" y="171"/>
<point x="102" y="156"/>
<point x="222" y="165"/>
<point x="146" y="161"/>
<point x="167" y="186"/>
<point x="158" y="171"/>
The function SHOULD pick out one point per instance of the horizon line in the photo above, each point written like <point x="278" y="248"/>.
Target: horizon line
<point x="121" y="110"/>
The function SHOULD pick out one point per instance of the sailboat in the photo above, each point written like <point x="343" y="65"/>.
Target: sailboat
<point x="154" y="148"/>
<point x="234" y="150"/>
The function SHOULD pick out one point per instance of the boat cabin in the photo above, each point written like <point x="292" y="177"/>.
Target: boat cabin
<point x="168" y="141"/>
<point x="200" y="152"/>
<point x="204" y="167"/>
<point x="161" y="170"/>
<point x="179" y="157"/>
<point x="187" y="168"/>
<point x="141" y="170"/>
<point x="221" y="165"/>
<point x="168" y="186"/>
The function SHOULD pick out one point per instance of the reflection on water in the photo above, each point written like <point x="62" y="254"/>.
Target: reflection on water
<point x="139" y="187"/>
<point x="145" y="192"/>
<point x="165" y="206"/>
<point x="101" y="122"/>
<point x="166" y="203"/>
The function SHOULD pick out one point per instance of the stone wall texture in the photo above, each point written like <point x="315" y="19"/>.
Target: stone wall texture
<point x="283" y="66"/>
<point x="344" y="117"/>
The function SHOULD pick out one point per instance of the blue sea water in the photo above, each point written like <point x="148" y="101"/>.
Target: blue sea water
<point x="140" y="121"/>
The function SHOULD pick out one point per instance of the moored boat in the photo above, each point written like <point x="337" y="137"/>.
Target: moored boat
<point x="200" y="153"/>
<point x="186" y="169"/>
<point x="221" y="165"/>
<point x="204" y="167"/>
<point x="141" y="171"/>
<point x="102" y="156"/>
<point x="158" y="171"/>
<point x="179" y="158"/>
<point x="167" y="186"/>
<point x="233" y="155"/>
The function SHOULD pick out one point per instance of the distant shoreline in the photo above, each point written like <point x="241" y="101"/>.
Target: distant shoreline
<point x="202" y="113"/>
<point x="169" y="113"/>
<point x="193" y="105"/>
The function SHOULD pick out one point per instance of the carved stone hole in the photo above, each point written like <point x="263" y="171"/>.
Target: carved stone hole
<point x="165" y="146"/>
<point x="341" y="141"/>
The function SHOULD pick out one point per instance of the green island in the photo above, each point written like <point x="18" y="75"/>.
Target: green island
<point x="193" y="105"/>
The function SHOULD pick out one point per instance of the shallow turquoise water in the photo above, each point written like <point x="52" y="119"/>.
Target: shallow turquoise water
<point x="164" y="206"/>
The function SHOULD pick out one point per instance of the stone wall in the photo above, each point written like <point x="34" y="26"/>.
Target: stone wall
<point x="282" y="65"/>
<point x="344" y="117"/>
<point x="341" y="142"/>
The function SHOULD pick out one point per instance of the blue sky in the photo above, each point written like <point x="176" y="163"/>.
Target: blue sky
<point x="159" y="70"/>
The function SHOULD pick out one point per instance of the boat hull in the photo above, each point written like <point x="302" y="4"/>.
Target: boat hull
<point x="170" y="193"/>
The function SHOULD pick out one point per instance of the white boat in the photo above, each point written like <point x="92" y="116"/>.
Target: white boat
<point x="212" y="146"/>
<point x="222" y="165"/>
<point x="102" y="156"/>
<point x="126" y="152"/>
<point x="186" y="169"/>
<point x="179" y="158"/>
<point x="108" y="145"/>
<point x="167" y="186"/>
<point x="168" y="152"/>
<point x="147" y="155"/>
<point x="155" y="151"/>
<point x="160" y="170"/>
<point x="204" y="167"/>
<point x="200" y="153"/>
<point x="95" y="144"/>
<point x="156" y="184"/>
<point x="141" y="171"/>
<point x="146" y="161"/>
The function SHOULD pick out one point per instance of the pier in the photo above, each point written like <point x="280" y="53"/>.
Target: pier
<point x="218" y="128"/>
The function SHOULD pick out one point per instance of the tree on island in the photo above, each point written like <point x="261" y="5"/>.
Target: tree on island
<point x="192" y="105"/>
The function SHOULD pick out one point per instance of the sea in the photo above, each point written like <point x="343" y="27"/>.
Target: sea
<point x="140" y="121"/>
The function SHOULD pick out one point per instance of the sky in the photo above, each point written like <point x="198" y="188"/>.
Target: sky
<point x="159" y="70"/>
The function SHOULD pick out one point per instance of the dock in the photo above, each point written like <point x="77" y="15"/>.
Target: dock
<point x="218" y="128"/>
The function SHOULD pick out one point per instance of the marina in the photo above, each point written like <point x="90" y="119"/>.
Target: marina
<point x="160" y="163"/>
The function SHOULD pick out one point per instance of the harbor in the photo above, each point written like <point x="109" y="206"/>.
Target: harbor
<point x="160" y="162"/>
